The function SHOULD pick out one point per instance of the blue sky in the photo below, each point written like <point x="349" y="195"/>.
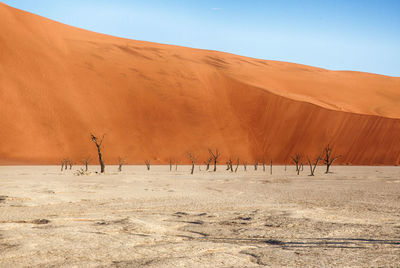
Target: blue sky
<point x="359" y="35"/>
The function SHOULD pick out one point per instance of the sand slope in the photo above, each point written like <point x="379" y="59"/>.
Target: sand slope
<point x="58" y="83"/>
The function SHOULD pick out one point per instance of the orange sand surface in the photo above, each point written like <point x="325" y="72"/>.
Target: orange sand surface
<point x="58" y="83"/>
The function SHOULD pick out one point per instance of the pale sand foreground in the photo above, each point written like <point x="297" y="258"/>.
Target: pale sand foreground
<point x="169" y="219"/>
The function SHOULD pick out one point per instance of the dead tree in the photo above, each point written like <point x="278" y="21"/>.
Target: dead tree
<point x="170" y="164"/>
<point x="255" y="164"/>
<point x="329" y="158"/>
<point x="99" y="144"/>
<point x="237" y="164"/>
<point x="245" y="166"/>
<point x="314" y="165"/>
<point x="121" y="161"/>
<point x="214" y="157"/>
<point x="296" y="159"/>
<point x="207" y="163"/>
<point x="263" y="163"/>
<point x="62" y="165"/>
<point x="176" y="166"/>
<point x="229" y="165"/>
<point x="302" y="166"/>
<point x="193" y="158"/>
<point x="85" y="161"/>
<point x="66" y="163"/>
<point x="147" y="162"/>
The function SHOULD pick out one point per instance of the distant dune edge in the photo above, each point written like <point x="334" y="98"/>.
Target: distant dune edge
<point x="157" y="102"/>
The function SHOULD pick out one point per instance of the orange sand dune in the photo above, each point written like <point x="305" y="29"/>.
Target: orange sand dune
<point x="58" y="83"/>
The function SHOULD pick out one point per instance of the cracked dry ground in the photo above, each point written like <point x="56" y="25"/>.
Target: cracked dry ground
<point x="173" y="219"/>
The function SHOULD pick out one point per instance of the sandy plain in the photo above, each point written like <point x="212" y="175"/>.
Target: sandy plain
<point x="159" y="218"/>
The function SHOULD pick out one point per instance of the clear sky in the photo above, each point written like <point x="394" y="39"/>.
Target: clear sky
<point x="359" y="35"/>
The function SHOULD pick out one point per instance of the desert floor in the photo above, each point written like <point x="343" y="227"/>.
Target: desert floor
<point x="160" y="218"/>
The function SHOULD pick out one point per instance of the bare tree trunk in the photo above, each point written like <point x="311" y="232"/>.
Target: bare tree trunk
<point x="193" y="158"/>
<point x="229" y="165"/>
<point x="170" y="164"/>
<point x="86" y="163"/>
<point x="70" y="164"/>
<point x="147" y="162"/>
<point x="263" y="163"/>
<point x="176" y="166"/>
<point x="245" y="166"/>
<point x="214" y="157"/>
<point x="208" y="162"/>
<point x="255" y="164"/>
<point x="237" y="165"/>
<point x="120" y="163"/>
<point x="99" y="148"/>
<point x="62" y="165"/>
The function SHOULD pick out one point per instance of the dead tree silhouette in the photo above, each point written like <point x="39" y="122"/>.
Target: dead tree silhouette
<point x="271" y="168"/>
<point x="193" y="159"/>
<point x="62" y="165"/>
<point x="147" y="162"/>
<point x="207" y="163"/>
<point x="237" y="164"/>
<point x="214" y="157"/>
<point x="86" y="161"/>
<point x="245" y="166"/>
<point x="121" y="162"/>
<point x="229" y="165"/>
<point x="314" y="165"/>
<point x="296" y="159"/>
<point x="99" y="145"/>
<point x="263" y="163"/>
<point x="328" y="158"/>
